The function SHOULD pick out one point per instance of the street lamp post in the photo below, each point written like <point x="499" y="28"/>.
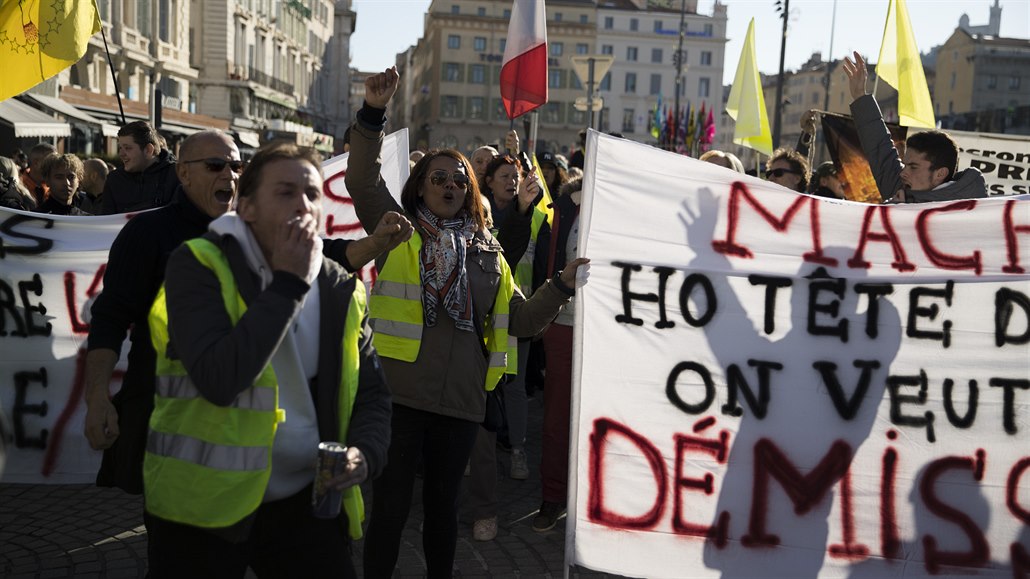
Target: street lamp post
<point x="679" y="77"/>
<point x="779" y="81"/>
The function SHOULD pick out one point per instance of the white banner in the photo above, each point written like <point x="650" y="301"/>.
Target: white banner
<point x="1003" y="159"/>
<point x="768" y="384"/>
<point x="51" y="268"/>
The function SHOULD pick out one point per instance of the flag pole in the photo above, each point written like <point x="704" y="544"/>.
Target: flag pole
<point x="114" y="77"/>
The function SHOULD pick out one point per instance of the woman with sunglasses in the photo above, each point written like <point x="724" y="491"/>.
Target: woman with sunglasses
<point x="788" y="168"/>
<point x="442" y="308"/>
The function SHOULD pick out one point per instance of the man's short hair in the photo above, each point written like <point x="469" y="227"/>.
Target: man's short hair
<point x="98" y="166"/>
<point x="142" y="134"/>
<point x="66" y="161"/>
<point x="797" y="162"/>
<point x="940" y="150"/>
<point x="40" y="151"/>
<point x="277" y="151"/>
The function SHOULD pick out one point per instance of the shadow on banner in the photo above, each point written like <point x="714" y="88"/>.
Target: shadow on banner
<point x="846" y="152"/>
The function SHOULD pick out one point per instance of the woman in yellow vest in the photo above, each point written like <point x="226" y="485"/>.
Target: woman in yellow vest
<point x="442" y="309"/>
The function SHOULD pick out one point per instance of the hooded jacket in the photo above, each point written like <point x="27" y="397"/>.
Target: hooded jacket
<point x="125" y="192"/>
<point x="886" y="165"/>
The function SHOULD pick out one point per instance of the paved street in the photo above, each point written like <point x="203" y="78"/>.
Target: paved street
<point x="83" y="531"/>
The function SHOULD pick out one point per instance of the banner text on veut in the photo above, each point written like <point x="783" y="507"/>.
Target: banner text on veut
<point x="779" y="385"/>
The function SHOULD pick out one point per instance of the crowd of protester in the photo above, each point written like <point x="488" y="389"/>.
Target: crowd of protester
<point x="252" y="342"/>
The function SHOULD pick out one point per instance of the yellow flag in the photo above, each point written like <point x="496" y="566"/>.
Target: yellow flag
<point x="40" y="38"/>
<point x="545" y="200"/>
<point x="899" y="65"/>
<point x="746" y="104"/>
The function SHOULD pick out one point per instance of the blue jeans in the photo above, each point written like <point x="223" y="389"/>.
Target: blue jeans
<point x="445" y="444"/>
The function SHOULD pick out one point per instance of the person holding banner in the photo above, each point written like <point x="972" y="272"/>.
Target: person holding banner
<point x="62" y="174"/>
<point x="929" y="171"/>
<point x="443" y="308"/>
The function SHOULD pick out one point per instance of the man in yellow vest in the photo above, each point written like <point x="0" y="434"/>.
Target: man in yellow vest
<point x="264" y="350"/>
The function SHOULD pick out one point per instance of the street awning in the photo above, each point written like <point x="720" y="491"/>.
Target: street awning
<point x="69" y="110"/>
<point x="178" y="129"/>
<point x="29" y="122"/>
<point x="249" y="138"/>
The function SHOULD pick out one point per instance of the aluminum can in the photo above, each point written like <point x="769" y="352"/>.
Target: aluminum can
<point x="332" y="461"/>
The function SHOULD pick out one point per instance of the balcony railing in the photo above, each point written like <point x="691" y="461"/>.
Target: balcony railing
<point x="269" y="81"/>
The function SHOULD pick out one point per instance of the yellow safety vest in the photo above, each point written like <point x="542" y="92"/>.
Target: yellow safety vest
<point x="395" y="309"/>
<point x="208" y="465"/>
<point x="524" y="268"/>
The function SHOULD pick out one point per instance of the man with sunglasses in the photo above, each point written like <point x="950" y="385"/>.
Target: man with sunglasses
<point x="209" y="173"/>
<point x="148" y="177"/>
<point x="788" y="168"/>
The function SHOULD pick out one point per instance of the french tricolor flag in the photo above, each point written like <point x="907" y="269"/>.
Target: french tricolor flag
<point x="524" y="72"/>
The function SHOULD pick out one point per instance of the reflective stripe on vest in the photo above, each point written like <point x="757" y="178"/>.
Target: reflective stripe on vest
<point x="208" y="465"/>
<point x="255" y="398"/>
<point x="397" y="316"/>
<point x="214" y="456"/>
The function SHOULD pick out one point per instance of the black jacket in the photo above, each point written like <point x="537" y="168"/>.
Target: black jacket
<point x="126" y="192"/>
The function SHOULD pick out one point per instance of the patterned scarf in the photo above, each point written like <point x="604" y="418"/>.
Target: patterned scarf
<point x="441" y="267"/>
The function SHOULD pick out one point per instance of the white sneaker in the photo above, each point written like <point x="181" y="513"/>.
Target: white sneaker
<point x="519" y="464"/>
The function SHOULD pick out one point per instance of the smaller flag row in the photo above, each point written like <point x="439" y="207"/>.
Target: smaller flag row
<point x="690" y="133"/>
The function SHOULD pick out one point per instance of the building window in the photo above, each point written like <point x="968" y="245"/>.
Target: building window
<point x="631" y="83"/>
<point x="476" y="110"/>
<point x="606" y="82"/>
<point x="507" y="14"/>
<point x="607" y="49"/>
<point x="502" y="44"/>
<point x="480" y="11"/>
<point x="658" y="26"/>
<point x="656" y="84"/>
<point x="1013" y="83"/>
<point x="479" y="44"/>
<point x="499" y="113"/>
<point x="583" y="19"/>
<point x="164" y="20"/>
<point x="454" y="41"/>
<point x="631" y="53"/>
<point x="992" y="81"/>
<point x="554" y="78"/>
<point x="557" y="16"/>
<point x="706" y="58"/>
<point x="455" y="9"/>
<point x="582" y="48"/>
<point x="575" y="83"/>
<point x="634" y="24"/>
<point x="576" y="117"/>
<point x="709" y="30"/>
<point x="953" y="80"/>
<point x="656" y="55"/>
<point x="609" y="23"/>
<point x="478" y="74"/>
<point x="702" y="87"/>
<point x="452" y="72"/>
<point x="627" y="121"/>
<point x="552" y="113"/>
<point x="557" y="48"/>
<point x="815" y="97"/>
<point x="450" y="107"/>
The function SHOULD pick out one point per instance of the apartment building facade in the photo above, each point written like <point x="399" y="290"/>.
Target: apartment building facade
<point x="644" y="37"/>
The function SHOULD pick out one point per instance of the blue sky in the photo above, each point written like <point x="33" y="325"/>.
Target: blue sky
<point x="386" y="27"/>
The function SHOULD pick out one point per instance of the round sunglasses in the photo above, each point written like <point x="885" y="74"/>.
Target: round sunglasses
<point x="439" y="177"/>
